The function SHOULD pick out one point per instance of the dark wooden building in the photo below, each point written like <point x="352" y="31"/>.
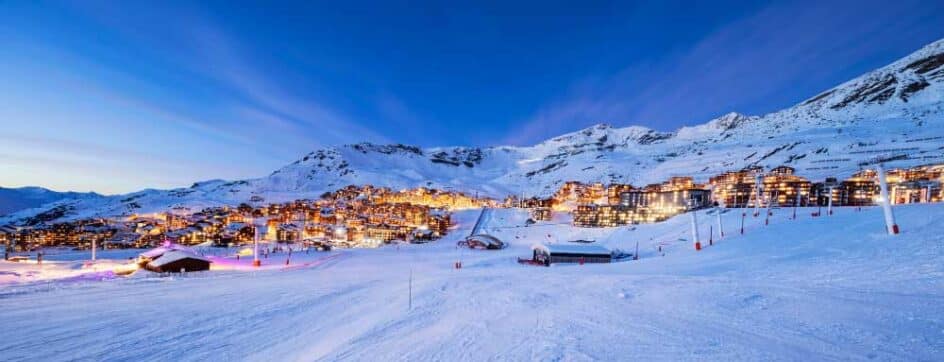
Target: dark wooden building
<point x="173" y="258"/>
<point x="178" y="261"/>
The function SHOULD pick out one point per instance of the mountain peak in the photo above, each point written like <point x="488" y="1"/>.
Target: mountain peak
<point x="388" y="149"/>
<point x="729" y="121"/>
<point x="904" y="81"/>
<point x="899" y="105"/>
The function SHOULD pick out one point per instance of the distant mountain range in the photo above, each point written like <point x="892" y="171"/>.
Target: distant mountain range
<point x="16" y="199"/>
<point x="896" y="109"/>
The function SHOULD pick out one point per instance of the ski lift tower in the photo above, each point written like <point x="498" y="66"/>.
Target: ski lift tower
<point x="830" y="185"/>
<point x="694" y="212"/>
<point x="758" y="191"/>
<point x="257" y="224"/>
<point x="719" y="207"/>
<point x="878" y="161"/>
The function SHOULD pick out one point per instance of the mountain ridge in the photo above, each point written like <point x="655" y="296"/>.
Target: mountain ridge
<point x="896" y="107"/>
<point x="13" y="199"/>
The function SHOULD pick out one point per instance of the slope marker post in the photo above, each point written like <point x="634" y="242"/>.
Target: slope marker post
<point x="743" y="216"/>
<point x="410" y="305"/>
<point x="695" y="230"/>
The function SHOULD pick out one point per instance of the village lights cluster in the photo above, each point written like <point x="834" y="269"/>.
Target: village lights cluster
<point x="368" y="216"/>
<point x="354" y="216"/>
<point x="599" y="205"/>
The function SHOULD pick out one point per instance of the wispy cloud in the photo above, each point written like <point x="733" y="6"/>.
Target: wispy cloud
<point x="202" y="107"/>
<point x="227" y="63"/>
<point x="782" y="52"/>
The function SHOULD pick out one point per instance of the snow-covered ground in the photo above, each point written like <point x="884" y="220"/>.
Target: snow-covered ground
<point x="822" y="288"/>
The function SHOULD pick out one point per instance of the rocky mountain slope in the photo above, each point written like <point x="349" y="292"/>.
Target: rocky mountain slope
<point x="895" y="110"/>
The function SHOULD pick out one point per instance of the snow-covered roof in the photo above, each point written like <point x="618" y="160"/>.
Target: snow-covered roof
<point x="487" y="239"/>
<point x="572" y="249"/>
<point x="289" y="227"/>
<point x="236" y="226"/>
<point x="161" y="250"/>
<point x="95" y="228"/>
<point x="175" y="255"/>
<point x="183" y="232"/>
<point x="124" y="237"/>
<point x="153" y="253"/>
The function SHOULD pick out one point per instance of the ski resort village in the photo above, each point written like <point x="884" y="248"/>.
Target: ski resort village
<point x="246" y="193"/>
<point x="368" y="216"/>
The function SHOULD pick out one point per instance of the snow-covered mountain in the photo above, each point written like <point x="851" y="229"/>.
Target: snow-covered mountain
<point x="16" y="199"/>
<point x="897" y="109"/>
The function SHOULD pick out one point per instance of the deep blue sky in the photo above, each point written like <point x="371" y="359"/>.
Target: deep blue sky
<point x="119" y="96"/>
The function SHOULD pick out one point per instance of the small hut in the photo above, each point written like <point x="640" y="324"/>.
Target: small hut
<point x="178" y="261"/>
<point x="548" y="254"/>
<point x="173" y="258"/>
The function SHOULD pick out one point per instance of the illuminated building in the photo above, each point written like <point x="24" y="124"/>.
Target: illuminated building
<point x="613" y="192"/>
<point x="859" y="190"/>
<point x="781" y="187"/>
<point x="735" y="188"/>
<point x="671" y="201"/>
<point x="288" y="232"/>
<point x="385" y="233"/>
<point x="535" y="202"/>
<point x="909" y="192"/>
<point x="541" y="214"/>
<point x="652" y="203"/>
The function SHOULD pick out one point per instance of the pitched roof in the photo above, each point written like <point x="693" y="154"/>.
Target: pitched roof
<point x="175" y="255"/>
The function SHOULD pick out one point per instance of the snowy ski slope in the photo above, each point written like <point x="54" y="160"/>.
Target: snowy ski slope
<point x="822" y="288"/>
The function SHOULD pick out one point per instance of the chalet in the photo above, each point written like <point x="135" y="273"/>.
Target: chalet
<point x="123" y="239"/>
<point x="189" y="235"/>
<point x="178" y="261"/>
<point x="288" y="232"/>
<point x="172" y="258"/>
<point x="236" y="233"/>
